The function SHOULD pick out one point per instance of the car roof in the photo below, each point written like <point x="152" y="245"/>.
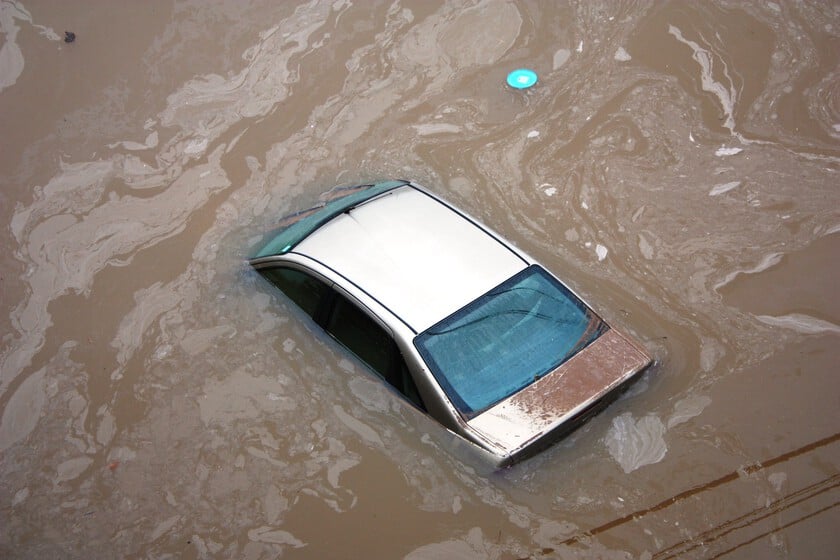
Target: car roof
<point x="414" y="254"/>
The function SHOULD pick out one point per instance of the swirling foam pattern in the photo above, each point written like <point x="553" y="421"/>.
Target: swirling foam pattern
<point x="677" y="164"/>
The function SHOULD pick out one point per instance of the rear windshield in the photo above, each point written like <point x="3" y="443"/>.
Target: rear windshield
<point x="295" y="227"/>
<point x="507" y="339"/>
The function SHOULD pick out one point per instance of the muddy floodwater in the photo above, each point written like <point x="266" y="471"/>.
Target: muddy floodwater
<point x="678" y="164"/>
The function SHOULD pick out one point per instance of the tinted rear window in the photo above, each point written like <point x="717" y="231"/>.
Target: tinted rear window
<point x="506" y="339"/>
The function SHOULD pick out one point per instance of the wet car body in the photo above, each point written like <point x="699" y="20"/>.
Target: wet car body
<point x="461" y="323"/>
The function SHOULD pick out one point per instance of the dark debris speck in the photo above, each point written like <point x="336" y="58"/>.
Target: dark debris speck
<point x="69" y="36"/>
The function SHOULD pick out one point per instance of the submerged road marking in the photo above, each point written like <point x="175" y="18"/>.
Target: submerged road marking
<point x="735" y="475"/>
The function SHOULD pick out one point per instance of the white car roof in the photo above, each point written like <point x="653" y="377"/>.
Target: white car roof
<point x="413" y="254"/>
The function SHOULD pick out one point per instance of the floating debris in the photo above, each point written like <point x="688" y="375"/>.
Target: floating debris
<point x="560" y="58"/>
<point x="429" y="129"/>
<point x="69" y="36"/>
<point x="522" y="78"/>
<point x="722" y="152"/>
<point x="601" y="251"/>
<point x="688" y="408"/>
<point x="622" y="55"/>
<point x="636" y="443"/>
<point x="725" y="187"/>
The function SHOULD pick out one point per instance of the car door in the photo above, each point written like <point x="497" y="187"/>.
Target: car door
<point x="349" y="323"/>
<point x="360" y="333"/>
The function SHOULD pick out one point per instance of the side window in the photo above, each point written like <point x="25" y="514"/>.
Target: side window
<point x="360" y="334"/>
<point x="307" y="292"/>
<point x="349" y="325"/>
<point x="353" y="328"/>
<point x="405" y="383"/>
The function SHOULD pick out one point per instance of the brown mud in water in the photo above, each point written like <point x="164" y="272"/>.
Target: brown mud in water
<point x="677" y="164"/>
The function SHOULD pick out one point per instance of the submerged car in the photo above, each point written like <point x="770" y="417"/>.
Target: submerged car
<point x="462" y="324"/>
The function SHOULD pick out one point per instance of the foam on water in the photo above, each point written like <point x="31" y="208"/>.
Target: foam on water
<point x="801" y="323"/>
<point x="726" y="94"/>
<point x="635" y="443"/>
<point x="142" y="353"/>
<point x="11" y="57"/>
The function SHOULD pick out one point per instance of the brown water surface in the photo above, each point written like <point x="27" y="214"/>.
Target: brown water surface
<point x="677" y="163"/>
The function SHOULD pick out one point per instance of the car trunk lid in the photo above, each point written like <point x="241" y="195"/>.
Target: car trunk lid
<point x="557" y="402"/>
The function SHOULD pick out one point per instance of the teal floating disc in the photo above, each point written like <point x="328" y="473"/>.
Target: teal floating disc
<point x="522" y="78"/>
